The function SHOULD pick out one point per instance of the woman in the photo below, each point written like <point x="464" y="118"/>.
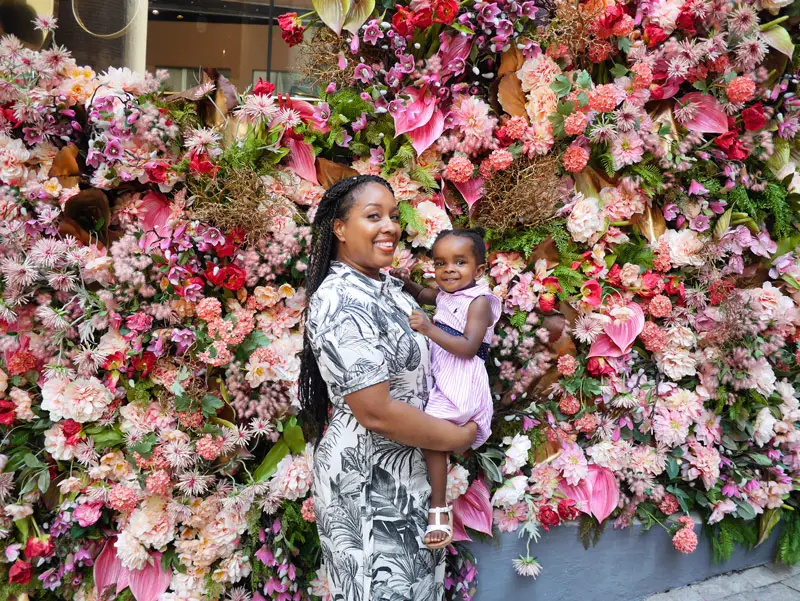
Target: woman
<point x="371" y="489"/>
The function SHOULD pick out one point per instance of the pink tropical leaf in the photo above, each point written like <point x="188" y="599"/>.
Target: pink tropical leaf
<point x="416" y="112"/>
<point x="624" y="332"/>
<point x="423" y="137"/>
<point x="603" y="346"/>
<point x="454" y="46"/>
<point x="301" y="159"/>
<point x="154" y="213"/>
<point x="108" y="569"/>
<point x="580" y="494"/>
<point x="473" y="509"/>
<point x="471" y="190"/>
<point x="149" y="583"/>
<point x="604" y="492"/>
<point x="710" y="117"/>
<point x="670" y="89"/>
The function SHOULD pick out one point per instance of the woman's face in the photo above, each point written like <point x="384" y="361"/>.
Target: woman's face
<point x="369" y="233"/>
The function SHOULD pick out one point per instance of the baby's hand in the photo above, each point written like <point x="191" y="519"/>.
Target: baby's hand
<point x="400" y="274"/>
<point x="420" y="322"/>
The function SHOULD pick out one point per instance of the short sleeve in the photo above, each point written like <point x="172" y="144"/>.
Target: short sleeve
<point x="349" y="351"/>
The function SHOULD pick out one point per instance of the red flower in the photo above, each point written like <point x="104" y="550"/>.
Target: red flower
<point x="652" y="284"/>
<point x="291" y="28"/>
<point x="567" y="510"/>
<point x="654" y="35"/>
<point x="592" y="293"/>
<point x="598" y="366"/>
<point x="199" y="163"/>
<point x="215" y="274"/>
<point x="422" y="18"/>
<point x="235" y="277"/>
<point x="686" y="22"/>
<point x="402" y="22"/>
<point x="548" y="517"/>
<point x="227" y="249"/>
<point x="196" y="283"/>
<point x="445" y="11"/>
<point x="547" y="302"/>
<point x="36" y="547"/>
<point x="20" y="572"/>
<point x="719" y="291"/>
<point x="263" y="88"/>
<point x="754" y="118"/>
<point x="114" y="361"/>
<point x="613" y="276"/>
<point x="156" y="172"/>
<point x="145" y="363"/>
<point x="732" y="145"/>
<point x="7" y="413"/>
<point x="675" y="286"/>
<point x="71" y="430"/>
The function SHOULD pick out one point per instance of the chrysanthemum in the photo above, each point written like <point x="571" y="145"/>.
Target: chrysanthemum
<point x="627" y="116"/>
<point x="203" y="141"/>
<point x="258" y="109"/>
<point x="239" y="593"/>
<point x="602" y="132"/>
<point x="288" y="117"/>
<point x="527" y="566"/>
<point x="45" y="23"/>
<point x="587" y="328"/>
<point x="685" y="112"/>
<point x="52" y="318"/>
<point x="260" y="426"/>
<point x="750" y="52"/>
<point x="678" y="67"/>
<point x="194" y="483"/>
<point x="743" y="20"/>
<point x="179" y="454"/>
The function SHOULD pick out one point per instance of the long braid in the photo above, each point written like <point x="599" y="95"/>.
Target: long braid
<point x="335" y="204"/>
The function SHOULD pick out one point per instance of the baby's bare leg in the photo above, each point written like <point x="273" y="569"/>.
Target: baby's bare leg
<point x="437" y="471"/>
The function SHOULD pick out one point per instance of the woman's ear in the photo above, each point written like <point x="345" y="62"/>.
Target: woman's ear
<point x="338" y="229"/>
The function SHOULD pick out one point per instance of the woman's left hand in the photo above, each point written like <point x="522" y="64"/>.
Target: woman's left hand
<point x="420" y="322"/>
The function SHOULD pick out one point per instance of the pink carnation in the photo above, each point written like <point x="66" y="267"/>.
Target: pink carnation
<point x="208" y="309"/>
<point x="122" y="499"/>
<point x="459" y="169"/>
<point x="685" y="540"/>
<point x="500" y="159"/>
<point x="87" y="514"/>
<point x="307" y="510"/>
<point x="208" y="448"/>
<point x="516" y="128"/>
<point x="575" y="158"/>
<point x="643" y="76"/>
<point x="660" y="306"/>
<point x="575" y="124"/>
<point x="569" y="405"/>
<point x="586" y="424"/>
<point x="654" y="338"/>
<point x="669" y="504"/>
<point x="567" y="365"/>
<point x="603" y="99"/>
<point x="141" y="322"/>
<point x="741" y="89"/>
<point x="158" y="483"/>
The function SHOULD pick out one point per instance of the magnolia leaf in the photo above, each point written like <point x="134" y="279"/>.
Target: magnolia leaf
<point x="65" y="167"/>
<point x="511" y="61"/>
<point x="358" y="15"/>
<point x="779" y="39"/>
<point x="722" y="224"/>
<point x="650" y="223"/>
<point x="546" y="452"/>
<point x="271" y="461"/>
<point x="745" y="510"/>
<point x="510" y="95"/>
<point x="769" y="519"/>
<point x="293" y="435"/>
<point x="328" y="172"/>
<point x="332" y="12"/>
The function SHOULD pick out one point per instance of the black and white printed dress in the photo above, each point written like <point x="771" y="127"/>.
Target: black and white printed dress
<point x="371" y="495"/>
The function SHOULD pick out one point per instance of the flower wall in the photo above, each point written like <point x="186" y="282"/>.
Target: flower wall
<point x="634" y="165"/>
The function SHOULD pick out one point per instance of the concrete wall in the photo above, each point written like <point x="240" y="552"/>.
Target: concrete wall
<point x="626" y="565"/>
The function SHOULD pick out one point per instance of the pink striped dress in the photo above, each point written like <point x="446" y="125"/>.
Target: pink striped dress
<point x="461" y="391"/>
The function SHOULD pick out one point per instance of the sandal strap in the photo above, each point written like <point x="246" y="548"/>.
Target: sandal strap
<point x="440" y="510"/>
<point x="438" y="528"/>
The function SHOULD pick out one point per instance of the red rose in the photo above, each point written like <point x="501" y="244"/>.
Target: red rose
<point x="235" y="277"/>
<point x="754" y="118"/>
<point x="686" y="22"/>
<point x="7" y="413"/>
<point x="547" y="302"/>
<point x="156" y="172"/>
<point x="71" y="429"/>
<point x="567" y="509"/>
<point x="199" y="163"/>
<point x="215" y="274"/>
<point x="548" y="517"/>
<point x="263" y="88"/>
<point x="402" y="22"/>
<point x="652" y="284"/>
<point x="291" y="28"/>
<point x="227" y="249"/>
<point x="20" y="572"/>
<point x="422" y="18"/>
<point x="36" y="547"/>
<point x="445" y="11"/>
<point x="598" y="366"/>
<point x="654" y="35"/>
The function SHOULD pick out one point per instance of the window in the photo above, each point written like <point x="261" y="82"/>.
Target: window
<point x="183" y="78"/>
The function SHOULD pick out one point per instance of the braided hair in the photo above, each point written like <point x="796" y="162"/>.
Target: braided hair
<point x="475" y="235"/>
<point x="335" y="204"/>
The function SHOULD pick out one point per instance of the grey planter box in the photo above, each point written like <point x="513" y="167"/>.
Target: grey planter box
<point x="626" y="565"/>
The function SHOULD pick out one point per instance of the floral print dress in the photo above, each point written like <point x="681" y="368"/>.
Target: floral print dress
<point x="371" y="495"/>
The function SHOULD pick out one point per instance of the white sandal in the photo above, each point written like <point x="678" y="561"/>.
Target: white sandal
<point x="439" y="527"/>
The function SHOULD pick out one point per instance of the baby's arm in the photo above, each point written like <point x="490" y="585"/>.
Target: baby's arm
<point x="422" y="294"/>
<point x="479" y="318"/>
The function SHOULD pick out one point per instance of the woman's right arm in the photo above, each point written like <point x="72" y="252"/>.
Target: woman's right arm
<point x="398" y="421"/>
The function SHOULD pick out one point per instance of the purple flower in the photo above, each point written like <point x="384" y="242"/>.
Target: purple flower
<point x="360" y="123"/>
<point x="696" y="188"/>
<point x="344" y="140"/>
<point x="51" y="579"/>
<point x="373" y="32"/>
<point x="763" y="245"/>
<point x="177" y="273"/>
<point x="113" y="149"/>
<point x="699" y="223"/>
<point x="377" y="156"/>
<point x="405" y="62"/>
<point x="363" y="73"/>
<point x="717" y="206"/>
<point x="489" y="13"/>
<point x="193" y="292"/>
<point x="156" y="346"/>
<point x="529" y="9"/>
<point x="322" y="112"/>
<point x="394" y="77"/>
<point x="331" y="88"/>
<point x="183" y="338"/>
<point x="83" y="558"/>
<point x="214" y="237"/>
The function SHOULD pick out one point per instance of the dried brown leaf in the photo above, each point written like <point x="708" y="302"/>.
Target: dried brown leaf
<point x="650" y="223"/>
<point x="65" y="166"/>
<point x="89" y="206"/>
<point x="328" y="172"/>
<point x="510" y="95"/>
<point x="511" y="61"/>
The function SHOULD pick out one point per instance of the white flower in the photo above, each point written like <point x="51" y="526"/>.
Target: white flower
<point x="130" y="551"/>
<point x="527" y="566"/>
<point x="55" y="443"/>
<point x="585" y="221"/>
<point x="680" y="337"/>
<point x="292" y="479"/>
<point x="684" y="247"/>
<point x="457" y="482"/>
<point x="319" y="585"/>
<point x="434" y="220"/>
<point x="517" y="453"/>
<point x="152" y="524"/>
<point x="18" y="512"/>
<point x="676" y="363"/>
<point x="82" y="400"/>
<point x="764" y="426"/>
<point x="232" y="569"/>
<point x="511" y="492"/>
<point x="22" y="399"/>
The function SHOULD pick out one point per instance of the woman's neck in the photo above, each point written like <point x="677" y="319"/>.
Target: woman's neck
<point x="374" y="274"/>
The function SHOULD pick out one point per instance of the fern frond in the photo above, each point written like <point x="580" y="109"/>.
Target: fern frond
<point x="607" y="161"/>
<point x="409" y="216"/>
<point x="424" y="177"/>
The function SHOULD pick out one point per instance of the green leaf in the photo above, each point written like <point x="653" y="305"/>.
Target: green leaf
<point x="745" y="510"/>
<point x="779" y="39"/>
<point x="672" y="468"/>
<point x="791" y="281"/>
<point x="359" y="13"/>
<point x="332" y="12"/>
<point x="583" y="99"/>
<point x="107" y="438"/>
<point x="31" y="461"/>
<point x="761" y="459"/>
<point x="722" y="224"/>
<point x="43" y="482"/>
<point x="210" y="404"/>
<point x="293" y="435"/>
<point x="701" y="85"/>
<point x="769" y="519"/>
<point x="145" y="446"/>
<point x="271" y="461"/>
<point x="584" y="80"/>
<point x="490" y="467"/>
<point x="565" y="108"/>
<point x="561" y="86"/>
<point x="462" y="28"/>
<point x="255" y="340"/>
<point x="624" y="44"/>
<point x="619" y="70"/>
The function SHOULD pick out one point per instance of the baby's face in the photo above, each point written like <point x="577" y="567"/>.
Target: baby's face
<point x="454" y="263"/>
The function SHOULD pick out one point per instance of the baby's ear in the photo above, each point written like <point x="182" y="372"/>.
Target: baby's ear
<point x="480" y="271"/>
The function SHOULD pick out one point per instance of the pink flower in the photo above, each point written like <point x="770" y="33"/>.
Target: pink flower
<point x="685" y="540"/>
<point x="627" y="149"/>
<point x="574" y="124"/>
<point x="669" y="504"/>
<point x="741" y="89"/>
<point x="208" y="447"/>
<point x="307" y="510"/>
<point x="569" y="405"/>
<point x="510" y="518"/>
<point x="459" y="169"/>
<point x="208" y="309"/>
<point x="660" y="306"/>
<point x="87" y="514"/>
<point x="122" y="498"/>
<point x="567" y="364"/>
<point x="140" y="322"/>
<point x="603" y="99"/>
<point x="575" y="158"/>
<point x="506" y="266"/>
<point x="158" y="483"/>
<point x="572" y="464"/>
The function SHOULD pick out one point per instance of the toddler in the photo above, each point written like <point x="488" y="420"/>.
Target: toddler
<point x="466" y="312"/>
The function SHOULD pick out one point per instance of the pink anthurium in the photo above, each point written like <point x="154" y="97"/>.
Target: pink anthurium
<point x="416" y="112"/>
<point x="709" y="116"/>
<point x="423" y="137"/>
<point x="471" y="190"/>
<point x="473" y="509"/>
<point x="109" y="571"/>
<point x="596" y="495"/>
<point x="154" y="213"/>
<point x="149" y="583"/>
<point x="301" y="159"/>
<point x="620" y="332"/>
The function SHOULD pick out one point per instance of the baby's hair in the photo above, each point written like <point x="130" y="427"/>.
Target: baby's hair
<point x="475" y="234"/>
